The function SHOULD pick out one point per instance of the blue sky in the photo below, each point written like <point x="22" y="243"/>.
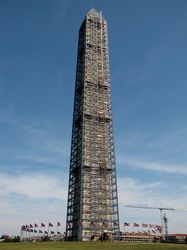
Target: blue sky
<point x="38" y="50"/>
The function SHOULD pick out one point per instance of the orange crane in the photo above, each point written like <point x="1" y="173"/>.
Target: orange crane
<point x="163" y="223"/>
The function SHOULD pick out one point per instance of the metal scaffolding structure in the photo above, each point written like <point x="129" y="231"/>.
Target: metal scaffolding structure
<point x="92" y="208"/>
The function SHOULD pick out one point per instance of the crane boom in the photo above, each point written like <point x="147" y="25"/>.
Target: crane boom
<point x="149" y="207"/>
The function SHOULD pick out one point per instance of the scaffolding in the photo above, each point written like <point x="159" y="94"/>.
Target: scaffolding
<point x="92" y="208"/>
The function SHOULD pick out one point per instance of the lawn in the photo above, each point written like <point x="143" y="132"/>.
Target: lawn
<point x="90" y="246"/>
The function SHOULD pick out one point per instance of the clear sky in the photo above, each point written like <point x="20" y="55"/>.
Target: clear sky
<point x="148" y="60"/>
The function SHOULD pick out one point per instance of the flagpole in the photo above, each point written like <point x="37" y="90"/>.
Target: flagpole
<point x="29" y="231"/>
<point x="21" y="232"/>
<point x="57" y="227"/>
<point x="25" y="235"/>
<point x="39" y="231"/>
<point x="26" y="231"/>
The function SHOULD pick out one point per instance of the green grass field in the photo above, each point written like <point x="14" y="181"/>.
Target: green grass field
<point x="90" y="246"/>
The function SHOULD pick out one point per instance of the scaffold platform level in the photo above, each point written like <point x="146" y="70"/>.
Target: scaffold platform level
<point x="92" y="207"/>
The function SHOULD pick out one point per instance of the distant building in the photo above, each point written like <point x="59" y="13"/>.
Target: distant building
<point x="177" y="238"/>
<point x="150" y="237"/>
<point x="92" y="208"/>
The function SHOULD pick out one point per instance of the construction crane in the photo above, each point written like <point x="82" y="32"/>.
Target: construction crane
<point x="163" y="221"/>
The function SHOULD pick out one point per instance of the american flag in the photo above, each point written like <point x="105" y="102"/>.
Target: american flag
<point x="136" y="225"/>
<point x="116" y="224"/>
<point x="126" y="224"/>
<point x="144" y="225"/>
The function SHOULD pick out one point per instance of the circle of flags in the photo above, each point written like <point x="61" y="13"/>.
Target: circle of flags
<point x="33" y="230"/>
